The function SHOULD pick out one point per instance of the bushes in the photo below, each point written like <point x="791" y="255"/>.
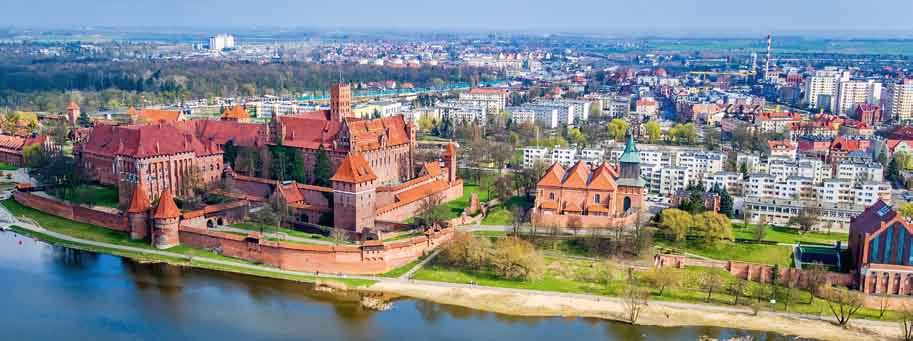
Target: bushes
<point x="509" y="258"/>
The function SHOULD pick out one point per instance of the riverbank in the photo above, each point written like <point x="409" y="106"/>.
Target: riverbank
<point x="508" y="301"/>
<point x="658" y="313"/>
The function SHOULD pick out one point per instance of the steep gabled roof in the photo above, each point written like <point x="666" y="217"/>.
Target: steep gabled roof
<point x="577" y="176"/>
<point x="553" y="176"/>
<point x="154" y="115"/>
<point x="235" y="113"/>
<point x="602" y="179"/>
<point x="166" y="208"/>
<point x="354" y="169"/>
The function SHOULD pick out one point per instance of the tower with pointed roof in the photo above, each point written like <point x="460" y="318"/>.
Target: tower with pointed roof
<point x="165" y="221"/>
<point x="630" y="183"/>
<point x="73" y="113"/>
<point x="354" y="194"/>
<point x="138" y="213"/>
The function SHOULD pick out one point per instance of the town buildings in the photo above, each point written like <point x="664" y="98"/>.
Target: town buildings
<point x="494" y="99"/>
<point x="898" y="101"/>
<point x="881" y="253"/>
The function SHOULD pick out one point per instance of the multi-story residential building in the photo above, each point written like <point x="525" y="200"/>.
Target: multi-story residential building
<point x="618" y="106"/>
<point x="751" y="163"/>
<point x="782" y="148"/>
<point x="564" y="156"/>
<point x="567" y="112"/>
<point x="898" y="101"/>
<point x="760" y="185"/>
<point x="821" y="89"/>
<point x="867" y="193"/>
<point x="545" y="116"/>
<point x="781" y="211"/>
<point x="852" y="93"/>
<point x="221" y="42"/>
<point x="808" y="168"/>
<point x="700" y="163"/>
<point x="674" y="179"/>
<point x="777" y="122"/>
<point x="494" y="99"/>
<point x="458" y="111"/>
<point x="731" y="181"/>
<point x="581" y="108"/>
<point x="647" y="107"/>
<point x="860" y="171"/>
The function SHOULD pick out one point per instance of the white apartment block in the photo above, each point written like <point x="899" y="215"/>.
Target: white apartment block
<point x="752" y="163"/>
<point x="581" y="108"/>
<point x="780" y="211"/>
<point x="860" y="171"/>
<point x="221" y="42"/>
<point x="898" y="100"/>
<point x="464" y="112"/>
<point x="852" y="93"/>
<point x="700" y="163"/>
<point x="821" y="89"/>
<point x="807" y="168"/>
<point x="730" y="181"/>
<point x="674" y="179"/>
<point x="565" y="156"/>
<point x="547" y="117"/>
<point x="494" y="99"/>
<point x="566" y="112"/>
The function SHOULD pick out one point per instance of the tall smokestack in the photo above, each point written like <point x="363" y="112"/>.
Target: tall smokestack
<point x="767" y="62"/>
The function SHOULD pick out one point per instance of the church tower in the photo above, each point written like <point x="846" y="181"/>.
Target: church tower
<point x="630" y="183"/>
<point x="354" y="194"/>
<point x="340" y="102"/>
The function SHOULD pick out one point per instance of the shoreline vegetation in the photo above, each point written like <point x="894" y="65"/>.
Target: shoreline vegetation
<point x="439" y="284"/>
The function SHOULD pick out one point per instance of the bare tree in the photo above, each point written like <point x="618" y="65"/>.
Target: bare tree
<point x="431" y="212"/>
<point x="339" y="235"/>
<point x="710" y="281"/>
<point x="843" y="303"/>
<point x="906" y="322"/>
<point x="883" y="302"/>
<point x="635" y="301"/>
<point x="815" y="279"/>
<point x="737" y="289"/>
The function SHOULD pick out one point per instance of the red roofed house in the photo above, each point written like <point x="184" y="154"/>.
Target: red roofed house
<point x="12" y="148"/>
<point x="881" y="251"/>
<point x="603" y="197"/>
<point x="785" y="148"/>
<point x="777" y="121"/>
<point x="898" y="146"/>
<point x="843" y="145"/>
<point x="153" y="115"/>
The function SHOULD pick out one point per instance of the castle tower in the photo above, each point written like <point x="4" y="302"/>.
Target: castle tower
<point x="138" y="213"/>
<point x="630" y="183"/>
<point x="165" y="222"/>
<point x="73" y="113"/>
<point x="354" y="194"/>
<point x="450" y="161"/>
<point x="340" y="102"/>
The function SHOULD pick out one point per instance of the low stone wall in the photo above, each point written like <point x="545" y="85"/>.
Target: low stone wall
<point x="762" y="273"/>
<point x="349" y="259"/>
<point x="72" y="212"/>
<point x="582" y="221"/>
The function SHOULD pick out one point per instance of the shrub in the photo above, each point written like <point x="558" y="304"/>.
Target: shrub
<point x="466" y="251"/>
<point x="515" y="258"/>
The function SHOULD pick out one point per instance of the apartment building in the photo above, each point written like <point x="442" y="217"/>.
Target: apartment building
<point x="821" y="89"/>
<point x="494" y="99"/>
<point x="459" y="111"/>
<point x="898" y="101"/>
<point x="731" y="181"/>
<point x="564" y="156"/>
<point x="860" y="171"/>
<point x="546" y="117"/>
<point x="853" y="93"/>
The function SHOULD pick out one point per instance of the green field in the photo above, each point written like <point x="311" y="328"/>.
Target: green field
<point x="502" y="214"/>
<point x="7" y="167"/>
<point x="457" y="206"/>
<point x="257" y="227"/>
<point x="788" y="235"/>
<point x="106" y="196"/>
<point x="754" y="253"/>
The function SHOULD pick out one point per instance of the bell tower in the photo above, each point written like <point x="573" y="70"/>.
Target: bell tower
<point x="340" y="102"/>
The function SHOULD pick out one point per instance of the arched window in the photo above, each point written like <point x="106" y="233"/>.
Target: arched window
<point x="627" y="203"/>
<point x="596" y="199"/>
<point x="551" y="196"/>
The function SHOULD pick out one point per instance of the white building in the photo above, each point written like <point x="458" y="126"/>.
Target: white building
<point x="464" y="112"/>
<point x="547" y="117"/>
<point x="852" y="93"/>
<point x="700" y="163"/>
<point x="898" y="100"/>
<point x="730" y="181"/>
<point x="565" y="156"/>
<point x="494" y="99"/>
<point x="860" y="171"/>
<point x="674" y="179"/>
<point x="821" y="89"/>
<point x="221" y="42"/>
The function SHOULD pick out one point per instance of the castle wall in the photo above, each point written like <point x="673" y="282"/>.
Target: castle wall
<point x="72" y="212"/>
<point x="349" y="259"/>
<point x="401" y="212"/>
<point x="762" y="273"/>
<point x="581" y="221"/>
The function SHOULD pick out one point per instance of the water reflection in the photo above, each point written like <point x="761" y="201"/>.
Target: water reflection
<point x="84" y="295"/>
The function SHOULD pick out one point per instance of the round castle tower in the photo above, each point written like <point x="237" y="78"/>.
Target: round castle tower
<point x="138" y="213"/>
<point x="165" y="222"/>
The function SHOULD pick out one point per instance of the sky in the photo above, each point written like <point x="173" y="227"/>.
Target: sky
<point x="584" y="16"/>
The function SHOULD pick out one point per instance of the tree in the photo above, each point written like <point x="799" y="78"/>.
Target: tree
<point x="431" y="211"/>
<point x="230" y="152"/>
<point x="661" y="279"/>
<point x="654" y="132"/>
<point x="906" y="210"/>
<point x="710" y="281"/>
<point x="906" y="322"/>
<point x="843" y="303"/>
<point x="815" y="279"/>
<point x="737" y="289"/>
<point x="265" y="216"/>
<point x="726" y="206"/>
<point x="713" y="227"/>
<point x="790" y="295"/>
<point x="635" y="301"/>
<point x="712" y="138"/>
<point x="466" y="251"/>
<point x="806" y="219"/>
<point x="677" y="222"/>
<point x="84" y="120"/>
<point x="760" y="230"/>
<point x="503" y="186"/>
<point x="618" y="128"/>
<point x="514" y="258"/>
<point x="577" y="137"/>
<point x="322" y="169"/>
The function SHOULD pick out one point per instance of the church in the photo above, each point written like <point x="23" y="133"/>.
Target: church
<point x="591" y="197"/>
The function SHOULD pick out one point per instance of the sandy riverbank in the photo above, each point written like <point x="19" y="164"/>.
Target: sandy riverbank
<point x="667" y="314"/>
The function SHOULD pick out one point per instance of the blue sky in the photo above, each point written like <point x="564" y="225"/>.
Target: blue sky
<point x="606" y="16"/>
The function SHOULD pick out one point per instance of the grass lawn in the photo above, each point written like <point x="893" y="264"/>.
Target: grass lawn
<point x="457" y="206"/>
<point x="788" y="235"/>
<point x="395" y="273"/>
<point x="93" y="194"/>
<point x="251" y="226"/>
<point x="490" y="233"/>
<point x="502" y="214"/>
<point x="7" y="167"/>
<point x="755" y="253"/>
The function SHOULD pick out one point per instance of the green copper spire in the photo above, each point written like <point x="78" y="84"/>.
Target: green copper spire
<point x="630" y="155"/>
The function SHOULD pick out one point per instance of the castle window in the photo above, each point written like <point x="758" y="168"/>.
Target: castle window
<point x="596" y="199"/>
<point x="551" y="196"/>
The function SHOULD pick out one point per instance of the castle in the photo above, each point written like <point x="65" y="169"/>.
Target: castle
<point x="372" y="162"/>
<point x="601" y="197"/>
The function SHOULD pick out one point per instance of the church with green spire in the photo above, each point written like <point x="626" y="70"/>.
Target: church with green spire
<point x="629" y="164"/>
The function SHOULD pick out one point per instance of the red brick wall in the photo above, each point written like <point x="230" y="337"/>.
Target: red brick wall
<point x="762" y="273"/>
<point x="349" y="259"/>
<point x="407" y="211"/>
<point x="72" y="212"/>
<point x="562" y="220"/>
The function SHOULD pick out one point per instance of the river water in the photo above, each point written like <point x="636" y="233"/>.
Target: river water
<point x="56" y="293"/>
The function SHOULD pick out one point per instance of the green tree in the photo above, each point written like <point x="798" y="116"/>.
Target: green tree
<point x="725" y="200"/>
<point x="906" y="210"/>
<point x="676" y="222"/>
<point x="654" y="132"/>
<point x="713" y="227"/>
<point x="806" y="219"/>
<point x="85" y="120"/>
<point x="230" y="152"/>
<point x="322" y="169"/>
<point x="577" y="137"/>
<point x="618" y="128"/>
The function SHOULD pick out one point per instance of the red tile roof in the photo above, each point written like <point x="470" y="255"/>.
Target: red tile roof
<point x="553" y="176"/>
<point x="166" y="208"/>
<point x="10" y="142"/>
<point x="354" y="169"/>
<point x="139" y="203"/>
<point x="145" y="140"/>
<point x="311" y="130"/>
<point x="780" y="144"/>
<point x="235" y="113"/>
<point x="602" y="178"/>
<point x="154" y="115"/>
<point x="368" y="134"/>
<point x="220" y="132"/>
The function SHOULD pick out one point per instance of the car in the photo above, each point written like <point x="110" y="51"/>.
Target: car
<point x="907" y="196"/>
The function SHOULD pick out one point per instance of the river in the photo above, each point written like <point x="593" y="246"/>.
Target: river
<point x="57" y="293"/>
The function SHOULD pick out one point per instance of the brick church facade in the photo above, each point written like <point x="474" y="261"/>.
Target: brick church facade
<point x="881" y="251"/>
<point x="585" y="197"/>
